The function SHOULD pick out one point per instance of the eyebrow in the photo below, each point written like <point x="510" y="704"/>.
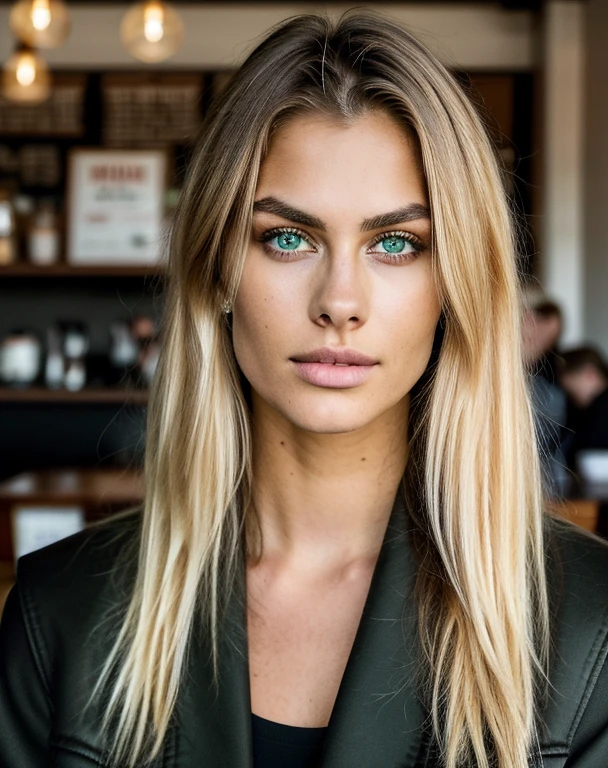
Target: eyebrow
<point x="407" y="213"/>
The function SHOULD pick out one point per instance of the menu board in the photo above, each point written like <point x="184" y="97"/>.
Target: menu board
<point x="115" y="206"/>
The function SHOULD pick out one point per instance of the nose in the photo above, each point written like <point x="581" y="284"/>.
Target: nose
<point x="341" y="295"/>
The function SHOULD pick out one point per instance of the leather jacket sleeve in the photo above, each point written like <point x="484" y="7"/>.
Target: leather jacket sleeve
<point x="25" y="706"/>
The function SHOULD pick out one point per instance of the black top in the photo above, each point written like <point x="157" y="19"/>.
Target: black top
<point x="276" y="745"/>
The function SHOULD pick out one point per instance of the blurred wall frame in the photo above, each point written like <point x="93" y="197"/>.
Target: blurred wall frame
<point x="115" y="206"/>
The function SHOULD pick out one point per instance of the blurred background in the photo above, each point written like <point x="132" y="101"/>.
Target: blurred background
<point x="99" y="107"/>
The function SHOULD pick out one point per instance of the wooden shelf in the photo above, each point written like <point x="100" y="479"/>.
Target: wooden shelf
<point x="99" y="395"/>
<point x="98" y="491"/>
<point x="22" y="269"/>
<point x="88" y="486"/>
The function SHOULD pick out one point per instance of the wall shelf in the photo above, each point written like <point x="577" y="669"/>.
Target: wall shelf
<point x="87" y="395"/>
<point x="21" y="269"/>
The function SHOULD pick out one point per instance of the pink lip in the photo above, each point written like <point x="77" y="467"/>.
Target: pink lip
<point x="333" y="355"/>
<point x="334" y="367"/>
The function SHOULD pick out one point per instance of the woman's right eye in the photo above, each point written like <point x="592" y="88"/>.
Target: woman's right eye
<point x="283" y="241"/>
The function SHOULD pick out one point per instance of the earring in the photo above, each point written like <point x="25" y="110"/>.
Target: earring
<point x="226" y="307"/>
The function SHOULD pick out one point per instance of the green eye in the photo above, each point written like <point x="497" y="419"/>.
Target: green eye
<point x="283" y="241"/>
<point x="395" y="244"/>
<point x="397" y="247"/>
<point x="288" y="240"/>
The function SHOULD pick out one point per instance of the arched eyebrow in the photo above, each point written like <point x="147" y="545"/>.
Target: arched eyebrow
<point x="407" y="213"/>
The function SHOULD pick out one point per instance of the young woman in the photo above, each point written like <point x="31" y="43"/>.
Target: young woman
<point x="342" y="558"/>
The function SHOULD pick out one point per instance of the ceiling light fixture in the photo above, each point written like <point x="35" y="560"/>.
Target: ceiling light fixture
<point x="40" y="23"/>
<point x="25" y="77"/>
<point x="151" y="31"/>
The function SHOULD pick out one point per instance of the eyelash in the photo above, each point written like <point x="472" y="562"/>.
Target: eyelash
<point x="395" y="258"/>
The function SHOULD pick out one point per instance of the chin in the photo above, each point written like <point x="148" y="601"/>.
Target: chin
<point x="330" y="417"/>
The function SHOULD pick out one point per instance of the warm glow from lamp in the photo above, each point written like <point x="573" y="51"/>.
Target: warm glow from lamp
<point x="154" y="22"/>
<point x="41" y="14"/>
<point x="40" y="23"/>
<point x="151" y="31"/>
<point x="25" y="77"/>
<point x="26" y="69"/>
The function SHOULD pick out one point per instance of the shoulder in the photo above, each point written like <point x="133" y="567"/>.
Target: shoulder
<point x="103" y="540"/>
<point x="66" y="590"/>
<point x="577" y="568"/>
<point x="577" y="574"/>
<point x="59" y="623"/>
<point x="82" y="562"/>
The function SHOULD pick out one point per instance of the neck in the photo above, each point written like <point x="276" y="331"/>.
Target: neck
<point x="326" y="498"/>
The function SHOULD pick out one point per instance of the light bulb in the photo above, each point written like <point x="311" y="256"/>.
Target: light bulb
<point x="154" y="22"/>
<point x="41" y="14"/>
<point x="26" y="70"/>
<point x="40" y="23"/>
<point x="25" y="77"/>
<point x="151" y="31"/>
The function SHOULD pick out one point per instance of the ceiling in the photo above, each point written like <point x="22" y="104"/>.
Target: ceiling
<point x="516" y="5"/>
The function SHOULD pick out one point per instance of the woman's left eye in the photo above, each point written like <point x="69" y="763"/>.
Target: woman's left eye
<point x="397" y="246"/>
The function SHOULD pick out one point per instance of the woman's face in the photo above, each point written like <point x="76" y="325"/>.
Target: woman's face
<point x="336" y="311"/>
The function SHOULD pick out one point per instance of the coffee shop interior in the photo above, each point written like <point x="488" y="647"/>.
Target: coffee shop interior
<point x="100" y="106"/>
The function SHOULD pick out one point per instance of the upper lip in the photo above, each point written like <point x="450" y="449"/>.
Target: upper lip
<point x="332" y="355"/>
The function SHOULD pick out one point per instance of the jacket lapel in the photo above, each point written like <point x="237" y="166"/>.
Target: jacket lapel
<point x="377" y="718"/>
<point x="214" y="726"/>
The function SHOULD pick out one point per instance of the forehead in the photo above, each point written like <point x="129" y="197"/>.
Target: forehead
<point x="368" y="164"/>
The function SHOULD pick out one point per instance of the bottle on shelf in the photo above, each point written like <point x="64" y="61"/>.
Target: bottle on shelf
<point x="23" y="206"/>
<point x="8" y="233"/>
<point x="75" y="347"/>
<point x="43" y="239"/>
<point x="54" y="368"/>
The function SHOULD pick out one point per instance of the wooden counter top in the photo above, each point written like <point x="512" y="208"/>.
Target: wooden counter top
<point x="74" y="486"/>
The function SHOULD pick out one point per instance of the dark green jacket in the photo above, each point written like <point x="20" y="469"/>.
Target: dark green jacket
<point x="61" y="615"/>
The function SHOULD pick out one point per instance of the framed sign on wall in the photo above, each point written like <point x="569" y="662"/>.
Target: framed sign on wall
<point x="115" y="206"/>
<point x="35" y="526"/>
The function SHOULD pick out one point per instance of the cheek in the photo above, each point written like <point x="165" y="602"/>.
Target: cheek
<point x="258" y="316"/>
<point x="409" y="312"/>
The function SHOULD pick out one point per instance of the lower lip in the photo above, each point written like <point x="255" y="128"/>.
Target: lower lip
<point x="334" y="376"/>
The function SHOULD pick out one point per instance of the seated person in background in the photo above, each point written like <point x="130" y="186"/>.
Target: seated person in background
<point x="542" y="329"/>
<point x="584" y="377"/>
<point x="542" y="324"/>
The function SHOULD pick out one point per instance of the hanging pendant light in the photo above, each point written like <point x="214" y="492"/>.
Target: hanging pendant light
<point x="151" y="31"/>
<point x="25" y="77"/>
<point x="40" y="23"/>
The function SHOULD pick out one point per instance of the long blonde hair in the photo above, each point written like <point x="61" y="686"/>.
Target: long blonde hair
<point x="481" y="590"/>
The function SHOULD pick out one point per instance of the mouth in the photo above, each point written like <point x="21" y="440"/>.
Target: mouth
<point x="334" y="367"/>
<point x="340" y="356"/>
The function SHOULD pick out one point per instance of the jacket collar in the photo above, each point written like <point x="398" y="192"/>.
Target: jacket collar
<point x="377" y="718"/>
